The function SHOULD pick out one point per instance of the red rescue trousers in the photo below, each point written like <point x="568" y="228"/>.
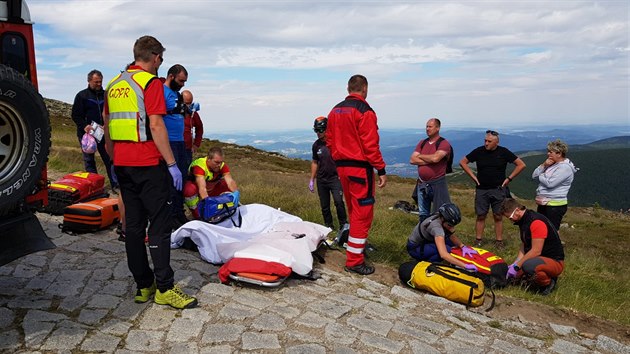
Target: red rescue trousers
<point x="542" y="269"/>
<point x="358" y="189"/>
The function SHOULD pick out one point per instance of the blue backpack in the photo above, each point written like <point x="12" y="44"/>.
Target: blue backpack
<point x="216" y="209"/>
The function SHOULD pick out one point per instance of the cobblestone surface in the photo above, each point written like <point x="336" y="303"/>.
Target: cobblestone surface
<point x="79" y="298"/>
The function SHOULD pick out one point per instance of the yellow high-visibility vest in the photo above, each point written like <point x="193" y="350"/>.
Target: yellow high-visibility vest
<point x="125" y="99"/>
<point x="202" y="163"/>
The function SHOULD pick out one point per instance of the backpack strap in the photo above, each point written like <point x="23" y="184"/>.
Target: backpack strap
<point x="437" y="143"/>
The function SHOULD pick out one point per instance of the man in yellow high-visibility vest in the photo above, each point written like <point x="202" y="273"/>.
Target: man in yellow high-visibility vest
<point x="143" y="161"/>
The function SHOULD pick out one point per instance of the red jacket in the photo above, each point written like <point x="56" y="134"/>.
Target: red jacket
<point x="352" y="134"/>
<point x="189" y="123"/>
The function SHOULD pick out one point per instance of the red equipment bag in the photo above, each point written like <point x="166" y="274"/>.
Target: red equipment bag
<point x="491" y="268"/>
<point x="254" y="271"/>
<point x="73" y="188"/>
<point x="90" y="216"/>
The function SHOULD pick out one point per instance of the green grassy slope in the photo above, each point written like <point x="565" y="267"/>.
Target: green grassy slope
<point x="595" y="280"/>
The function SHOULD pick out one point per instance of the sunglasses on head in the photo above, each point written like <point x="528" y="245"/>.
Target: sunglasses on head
<point x="492" y="132"/>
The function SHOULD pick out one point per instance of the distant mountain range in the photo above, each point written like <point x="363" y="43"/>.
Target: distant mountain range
<point x="397" y="145"/>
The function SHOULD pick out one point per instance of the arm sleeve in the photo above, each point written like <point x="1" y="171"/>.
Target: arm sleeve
<point x="538" y="229"/>
<point x="314" y="150"/>
<point x="472" y="156"/>
<point x="154" y="98"/>
<point x="553" y="177"/>
<point x="368" y="135"/>
<point x="538" y="171"/>
<point x="78" y="113"/>
<point x="510" y="156"/>
<point x="198" y="124"/>
<point x="418" y="149"/>
<point x="197" y="171"/>
<point x="170" y="98"/>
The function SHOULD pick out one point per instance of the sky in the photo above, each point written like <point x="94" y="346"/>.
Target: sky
<point x="276" y="65"/>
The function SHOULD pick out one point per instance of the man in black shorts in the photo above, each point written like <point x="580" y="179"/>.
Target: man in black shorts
<point x="491" y="182"/>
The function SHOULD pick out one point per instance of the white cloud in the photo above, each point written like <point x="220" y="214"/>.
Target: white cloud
<point x="285" y="62"/>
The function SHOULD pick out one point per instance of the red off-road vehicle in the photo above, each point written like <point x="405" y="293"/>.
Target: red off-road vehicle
<point x="24" y="137"/>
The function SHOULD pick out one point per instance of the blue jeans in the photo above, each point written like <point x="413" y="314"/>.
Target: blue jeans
<point x="179" y="153"/>
<point x="429" y="251"/>
<point x="425" y="197"/>
<point x="431" y="196"/>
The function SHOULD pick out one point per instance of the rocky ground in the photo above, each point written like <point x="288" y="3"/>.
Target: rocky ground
<point x="79" y="298"/>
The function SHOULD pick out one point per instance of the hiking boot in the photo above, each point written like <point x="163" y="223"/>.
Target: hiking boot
<point x="369" y="248"/>
<point x="342" y="235"/>
<point x="478" y="242"/>
<point x="143" y="295"/>
<point x="362" y="269"/>
<point x="549" y="288"/>
<point x="176" y="298"/>
<point x="499" y="244"/>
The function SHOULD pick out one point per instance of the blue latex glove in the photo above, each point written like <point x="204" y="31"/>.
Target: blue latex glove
<point x="471" y="268"/>
<point x="311" y="186"/>
<point x="193" y="107"/>
<point x="177" y="176"/>
<point x="511" y="273"/>
<point x="468" y="251"/>
<point x="237" y="197"/>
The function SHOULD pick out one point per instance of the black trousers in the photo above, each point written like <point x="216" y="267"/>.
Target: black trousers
<point x="553" y="213"/>
<point x="324" y="189"/>
<point x="146" y="195"/>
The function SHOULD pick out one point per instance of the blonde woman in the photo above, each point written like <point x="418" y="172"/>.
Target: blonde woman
<point x="554" y="177"/>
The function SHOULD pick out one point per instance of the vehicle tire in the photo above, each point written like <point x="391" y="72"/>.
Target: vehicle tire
<point x="24" y="137"/>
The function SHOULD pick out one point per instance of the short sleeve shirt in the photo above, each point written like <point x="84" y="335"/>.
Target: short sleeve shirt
<point x="491" y="165"/>
<point x="429" y="230"/>
<point x="435" y="170"/>
<point x="326" y="168"/>
<point x="198" y="171"/>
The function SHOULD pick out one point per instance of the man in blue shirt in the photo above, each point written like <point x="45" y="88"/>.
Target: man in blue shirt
<point x="174" y="122"/>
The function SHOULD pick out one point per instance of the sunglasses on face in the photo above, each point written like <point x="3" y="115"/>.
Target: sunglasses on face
<point x="492" y="132"/>
<point x="159" y="56"/>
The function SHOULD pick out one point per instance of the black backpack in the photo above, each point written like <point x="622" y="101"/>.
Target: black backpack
<point x="450" y="156"/>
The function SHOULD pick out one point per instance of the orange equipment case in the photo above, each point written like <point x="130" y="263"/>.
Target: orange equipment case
<point x="91" y="216"/>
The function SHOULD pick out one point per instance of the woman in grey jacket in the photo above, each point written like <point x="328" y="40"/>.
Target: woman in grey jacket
<point x="554" y="177"/>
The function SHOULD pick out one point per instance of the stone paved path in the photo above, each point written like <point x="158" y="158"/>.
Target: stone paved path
<point x="79" y="298"/>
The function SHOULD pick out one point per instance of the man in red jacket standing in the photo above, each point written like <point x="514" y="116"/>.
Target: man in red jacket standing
<point x="191" y="120"/>
<point x="353" y="141"/>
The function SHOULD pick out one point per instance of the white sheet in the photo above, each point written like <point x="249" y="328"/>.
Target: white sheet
<point x="266" y="234"/>
<point x="288" y="243"/>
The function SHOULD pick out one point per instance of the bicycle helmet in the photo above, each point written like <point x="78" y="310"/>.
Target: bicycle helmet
<point x="319" y="126"/>
<point x="450" y="213"/>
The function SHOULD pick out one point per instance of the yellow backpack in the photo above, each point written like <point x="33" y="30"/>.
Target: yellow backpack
<point x="449" y="282"/>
